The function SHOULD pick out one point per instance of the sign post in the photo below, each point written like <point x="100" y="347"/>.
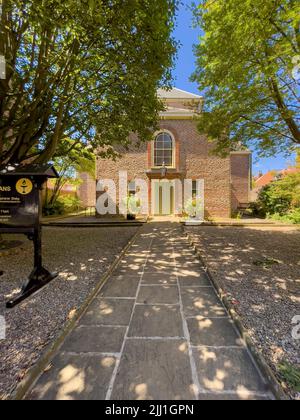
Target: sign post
<point x="21" y="212"/>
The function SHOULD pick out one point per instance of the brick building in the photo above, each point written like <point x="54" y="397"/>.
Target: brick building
<point x="179" y="152"/>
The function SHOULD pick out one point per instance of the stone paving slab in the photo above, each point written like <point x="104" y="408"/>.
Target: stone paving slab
<point x="134" y="259"/>
<point x="201" y="301"/>
<point x="156" y="331"/>
<point x="213" y="332"/>
<point x="187" y="261"/>
<point x="162" y="254"/>
<point x="124" y="270"/>
<point x="140" y="248"/>
<point x="154" y="370"/>
<point x="156" y="278"/>
<point x="156" y="321"/>
<point x="75" y="378"/>
<point x="159" y="251"/>
<point x="166" y="263"/>
<point x="184" y="254"/>
<point x="164" y="271"/>
<point x="227" y="370"/>
<point x="163" y="246"/>
<point x="194" y="281"/>
<point x="192" y="267"/>
<point x="137" y="254"/>
<point x="185" y="272"/>
<point x="108" y="312"/>
<point x="121" y="286"/>
<point x="95" y="340"/>
<point x="158" y="294"/>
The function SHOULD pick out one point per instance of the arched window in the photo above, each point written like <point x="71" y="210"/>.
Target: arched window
<point x="164" y="150"/>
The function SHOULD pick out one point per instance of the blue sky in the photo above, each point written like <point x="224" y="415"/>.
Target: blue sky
<point x="188" y="36"/>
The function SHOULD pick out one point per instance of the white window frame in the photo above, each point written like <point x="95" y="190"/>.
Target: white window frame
<point x="173" y="166"/>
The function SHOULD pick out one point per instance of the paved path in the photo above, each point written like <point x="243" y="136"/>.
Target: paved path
<point x="157" y="331"/>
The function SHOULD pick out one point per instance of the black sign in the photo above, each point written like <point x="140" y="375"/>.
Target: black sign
<point x="19" y="202"/>
<point x="20" y="212"/>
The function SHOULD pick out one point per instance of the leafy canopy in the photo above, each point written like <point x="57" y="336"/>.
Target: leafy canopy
<point x="81" y="70"/>
<point x="248" y="65"/>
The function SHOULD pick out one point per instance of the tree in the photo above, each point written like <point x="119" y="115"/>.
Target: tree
<point x="247" y="67"/>
<point x="84" y="70"/>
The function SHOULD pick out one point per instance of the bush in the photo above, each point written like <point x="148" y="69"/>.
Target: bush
<point x="63" y="205"/>
<point x="257" y="209"/>
<point x="280" y="200"/>
<point x="271" y="201"/>
<point x="295" y="216"/>
<point x="237" y="215"/>
<point x="291" y="217"/>
<point x="53" y="209"/>
<point x="70" y="203"/>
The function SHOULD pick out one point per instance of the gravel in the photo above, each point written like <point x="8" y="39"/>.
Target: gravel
<point x="259" y="268"/>
<point x="81" y="256"/>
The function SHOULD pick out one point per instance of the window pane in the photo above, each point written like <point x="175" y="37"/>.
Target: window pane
<point x="131" y="187"/>
<point x="168" y="142"/>
<point x="194" y="188"/>
<point x="168" y="159"/>
<point x="159" y="162"/>
<point x="163" y="150"/>
<point x="160" y="138"/>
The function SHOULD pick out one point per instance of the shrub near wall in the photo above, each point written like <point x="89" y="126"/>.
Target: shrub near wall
<point x="65" y="204"/>
<point x="291" y="217"/>
<point x="280" y="200"/>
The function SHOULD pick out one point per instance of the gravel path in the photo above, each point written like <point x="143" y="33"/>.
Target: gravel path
<point x="259" y="268"/>
<point x="81" y="256"/>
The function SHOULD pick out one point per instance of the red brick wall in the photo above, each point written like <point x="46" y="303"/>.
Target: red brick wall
<point x="192" y="159"/>
<point x="135" y="162"/>
<point x="240" y="179"/>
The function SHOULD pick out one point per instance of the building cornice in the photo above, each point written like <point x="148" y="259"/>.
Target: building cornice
<point x="176" y="94"/>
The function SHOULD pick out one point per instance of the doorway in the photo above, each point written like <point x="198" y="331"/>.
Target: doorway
<point x="163" y="198"/>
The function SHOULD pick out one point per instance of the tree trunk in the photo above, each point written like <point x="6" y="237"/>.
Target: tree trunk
<point x="284" y="111"/>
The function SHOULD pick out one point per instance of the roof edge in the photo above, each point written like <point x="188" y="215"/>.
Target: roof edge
<point x="183" y="95"/>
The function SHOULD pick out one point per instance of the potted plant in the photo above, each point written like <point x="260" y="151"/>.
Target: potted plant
<point x="193" y="209"/>
<point x="133" y="206"/>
